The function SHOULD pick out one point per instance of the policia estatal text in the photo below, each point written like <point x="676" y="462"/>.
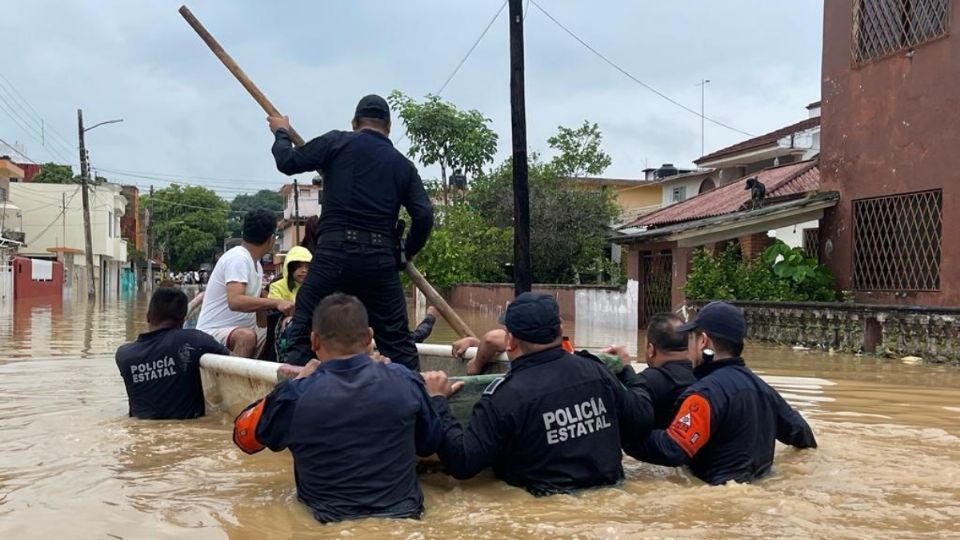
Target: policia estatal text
<point x="365" y="182"/>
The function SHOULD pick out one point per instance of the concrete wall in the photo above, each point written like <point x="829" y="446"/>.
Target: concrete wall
<point x="309" y="202"/>
<point x="26" y="286"/>
<point x="890" y="126"/>
<point x="793" y="235"/>
<point x="895" y="331"/>
<point x="494" y="297"/>
<point x="637" y="201"/>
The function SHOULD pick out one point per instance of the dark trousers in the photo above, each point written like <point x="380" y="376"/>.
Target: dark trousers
<point x="369" y="273"/>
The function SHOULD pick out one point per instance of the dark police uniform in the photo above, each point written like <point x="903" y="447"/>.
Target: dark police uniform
<point x="161" y="371"/>
<point x="366" y="181"/>
<point x="552" y="424"/>
<point x="665" y="384"/>
<point x="354" y="428"/>
<point x="727" y="426"/>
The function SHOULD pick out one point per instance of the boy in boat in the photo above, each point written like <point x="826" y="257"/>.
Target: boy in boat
<point x="353" y="425"/>
<point x="669" y="370"/>
<point x="553" y="423"/>
<point x="232" y="300"/>
<point x="161" y="369"/>
<point x="729" y="420"/>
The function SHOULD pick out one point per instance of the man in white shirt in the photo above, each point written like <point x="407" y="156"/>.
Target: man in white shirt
<point x="232" y="299"/>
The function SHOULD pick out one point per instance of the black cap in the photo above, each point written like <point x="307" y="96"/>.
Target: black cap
<point x="719" y="319"/>
<point x="373" y="106"/>
<point x="534" y="318"/>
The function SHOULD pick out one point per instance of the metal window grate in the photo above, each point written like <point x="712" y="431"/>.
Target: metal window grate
<point x="811" y="243"/>
<point x="896" y="242"/>
<point x="883" y="27"/>
<point x="656" y="279"/>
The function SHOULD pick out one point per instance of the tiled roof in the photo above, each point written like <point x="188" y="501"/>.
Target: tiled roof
<point x="768" y="139"/>
<point x="781" y="182"/>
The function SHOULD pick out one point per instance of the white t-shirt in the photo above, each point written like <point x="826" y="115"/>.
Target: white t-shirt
<point x="236" y="265"/>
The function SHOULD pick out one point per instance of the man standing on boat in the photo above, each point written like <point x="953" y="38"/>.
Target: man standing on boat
<point x="365" y="182"/>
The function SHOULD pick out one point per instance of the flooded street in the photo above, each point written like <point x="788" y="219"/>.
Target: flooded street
<point x="74" y="466"/>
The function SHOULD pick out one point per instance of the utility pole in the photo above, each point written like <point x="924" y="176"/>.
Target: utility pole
<point x="147" y="236"/>
<point x="85" y="180"/>
<point x="703" y="93"/>
<point x="296" y="210"/>
<point x="522" y="272"/>
<point x="63" y="222"/>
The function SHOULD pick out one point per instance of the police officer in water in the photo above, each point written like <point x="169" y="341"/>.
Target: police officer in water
<point x="553" y="423"/>
<point x="365" y="182"/>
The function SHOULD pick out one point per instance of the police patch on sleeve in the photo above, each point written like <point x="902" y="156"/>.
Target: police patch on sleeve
<point x="494" y="384"/>
<point x="690" y="429"/>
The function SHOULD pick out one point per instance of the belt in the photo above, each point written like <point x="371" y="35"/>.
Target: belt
<point x="357" y="237"/>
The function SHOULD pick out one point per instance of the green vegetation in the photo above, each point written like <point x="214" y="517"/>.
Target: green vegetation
<point x="189" y="224"/>
<point x="241" y="204"/>
<point x="780" y="274"/>
<point x="51" y="173"/>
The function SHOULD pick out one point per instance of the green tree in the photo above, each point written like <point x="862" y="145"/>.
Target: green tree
<point x="568" y="223"/>
<point x="579" y="151"/>
<point x="51" y="173"/>
<point x="243" y="203"/>
<point x="441" y="134"/>
<point x="188" y="225"/>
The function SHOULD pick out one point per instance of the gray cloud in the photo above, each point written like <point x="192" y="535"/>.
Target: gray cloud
<point x="184" y="113"/>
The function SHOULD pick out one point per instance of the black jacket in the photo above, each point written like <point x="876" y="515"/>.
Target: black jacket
<point x="354" y="428"/>
<point x="552" y="424"/>
<point x="665" y="384"/>
<point x="727" y="426"/>
<point x="365" y="182"/>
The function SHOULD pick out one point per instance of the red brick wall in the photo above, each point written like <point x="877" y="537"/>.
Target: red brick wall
<point x="25" y="287"/>
<point x="752" y="246"/>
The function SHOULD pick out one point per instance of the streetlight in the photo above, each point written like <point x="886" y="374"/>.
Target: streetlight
<point x="703" y="90"/>
<point x="85" y="179"/>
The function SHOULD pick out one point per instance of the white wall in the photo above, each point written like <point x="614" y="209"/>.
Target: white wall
<point x="693" y="188"/>
<point x="309" y="202"/>
<point x="793" y="235"/>
<point x="46" y="226"/>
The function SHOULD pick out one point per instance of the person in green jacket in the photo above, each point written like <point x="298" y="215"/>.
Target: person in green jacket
<point x="295" y="266"/>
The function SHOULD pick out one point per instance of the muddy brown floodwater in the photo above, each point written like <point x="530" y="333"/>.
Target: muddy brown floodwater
<point x="72" y="465"/>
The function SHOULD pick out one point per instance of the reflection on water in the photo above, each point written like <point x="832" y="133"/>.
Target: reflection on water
<point x="73" y="466"/>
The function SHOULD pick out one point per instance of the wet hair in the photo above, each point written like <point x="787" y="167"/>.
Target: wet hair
<point x="259" y="226"/>
<point x="721" y="345"/>
<point x="340" y="321"/>
<point x="291" y="268"/>
<point x="662" y="333"/>
<point x="168" y="307"/>
<point x="377" y="123"/>
<point x="311" y="233"/>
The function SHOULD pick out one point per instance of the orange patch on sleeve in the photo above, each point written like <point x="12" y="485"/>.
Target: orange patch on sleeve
<point x="691" y="427"/>
<point x="245" y="429"/>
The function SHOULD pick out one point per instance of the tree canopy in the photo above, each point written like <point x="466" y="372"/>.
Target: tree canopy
<point x="243" y="203"/>
<point x="51" y="173"/>
<point x="188" y="223"/>
<point x="578" y="151"/>
<point x="441" y="134"/>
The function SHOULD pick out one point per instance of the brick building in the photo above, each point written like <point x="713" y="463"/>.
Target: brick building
<point x="891" y="129"/>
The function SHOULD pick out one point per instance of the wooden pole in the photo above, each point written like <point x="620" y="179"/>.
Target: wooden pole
<point x="416" y="277"/>
<point x="296" y="211"/>
<point x="85" y="181"/>
<point x="522" y="271"/>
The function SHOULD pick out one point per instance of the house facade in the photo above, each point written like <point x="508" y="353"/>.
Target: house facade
<point x="296" y="212"/>
<point x="53" y="229"/>
<point x="890" y="133"/>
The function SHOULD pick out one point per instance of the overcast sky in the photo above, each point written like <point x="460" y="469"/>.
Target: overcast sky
<point x="185" y="115"/>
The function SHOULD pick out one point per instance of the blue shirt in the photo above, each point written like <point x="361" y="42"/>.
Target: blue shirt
<point x="354" y="428"/>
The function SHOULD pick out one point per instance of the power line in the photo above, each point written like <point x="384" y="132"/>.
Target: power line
<point x="55" y="219"/>
<point x="464" y="59"/>
<point x="631" y="77"/>
<point x="23" y="102"/>
<point x="14" y="148"/>
<point x="154" y="176"/>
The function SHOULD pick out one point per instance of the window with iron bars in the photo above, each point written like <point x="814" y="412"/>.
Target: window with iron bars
<point x="883" y="27"/>
<point x="896" y="242"/>
<point x="811" y="243"/>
